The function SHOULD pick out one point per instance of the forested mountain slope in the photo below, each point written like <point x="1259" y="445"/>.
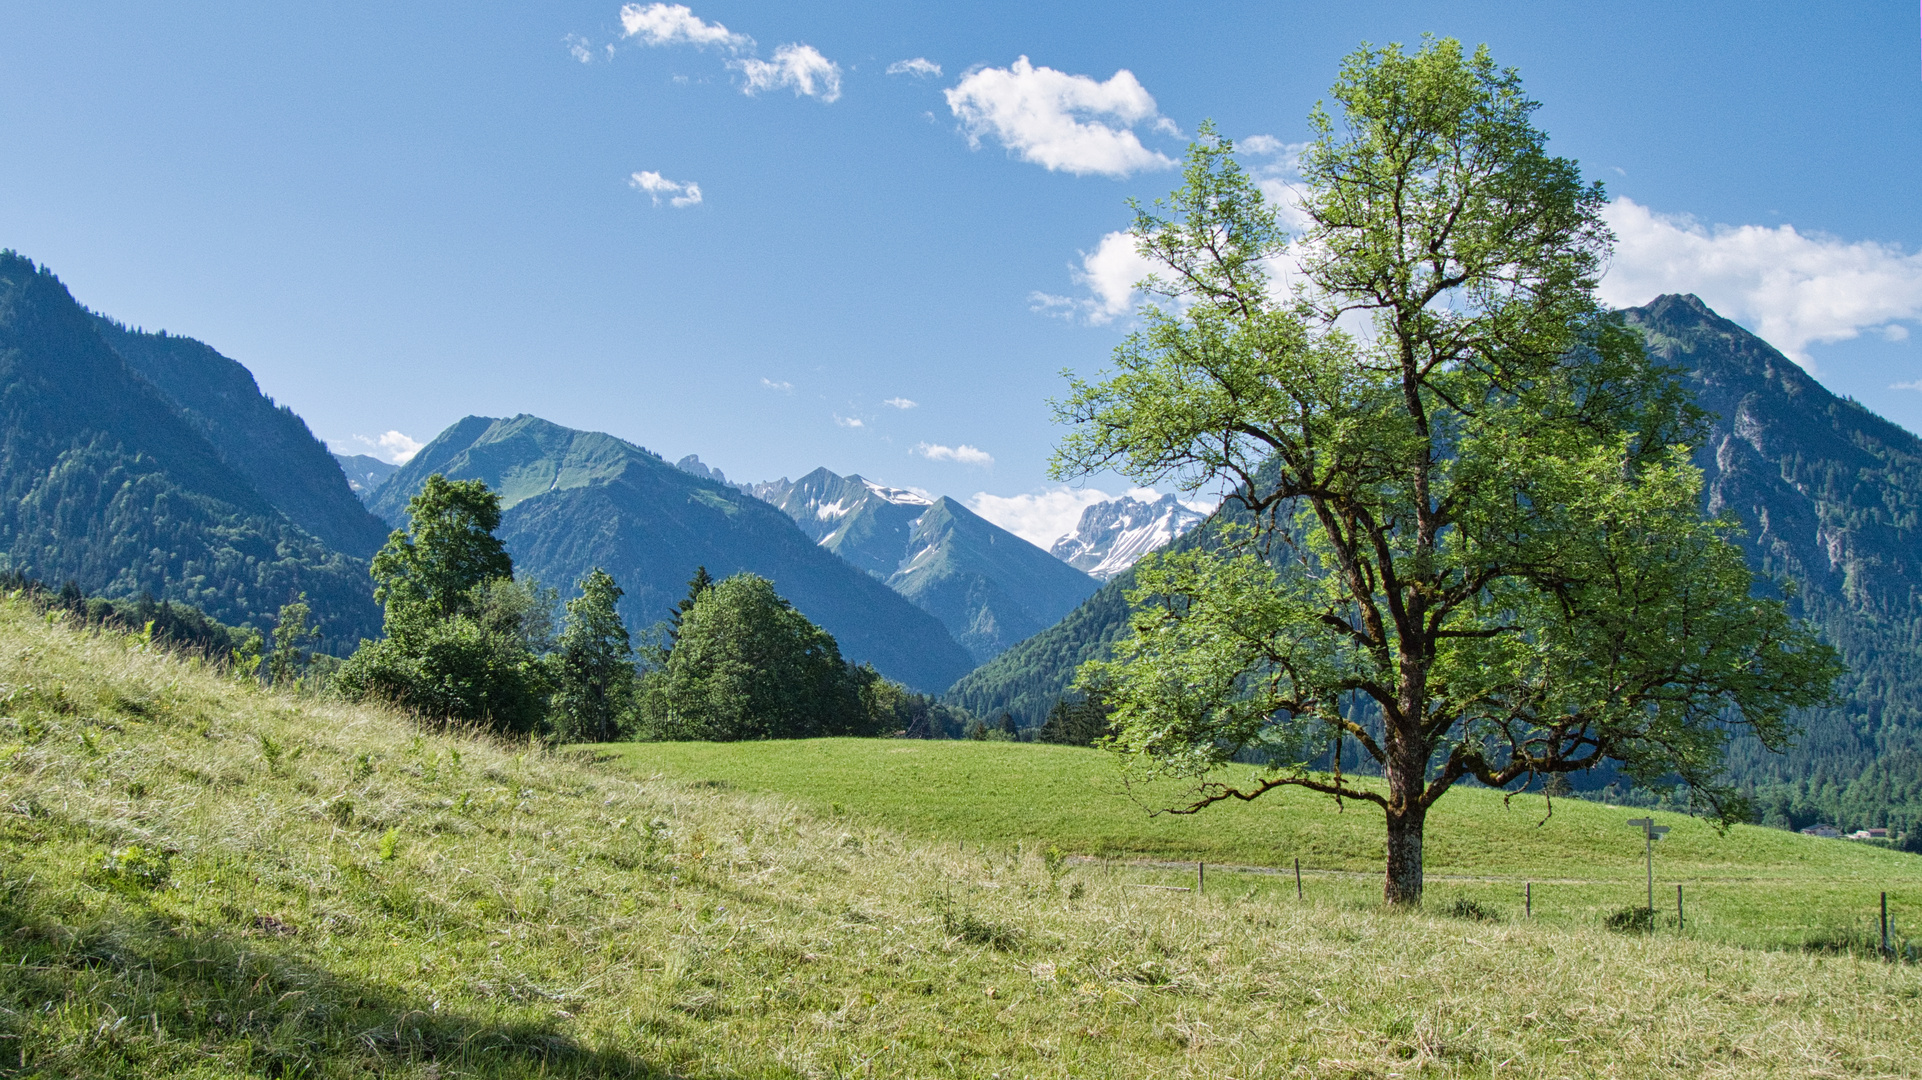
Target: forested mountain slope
<point x="1828" y="493"/>
<point x="267" y="444"/>
<point x="104" y="481"/>
<point x="989" y="587"/>
<point x="576" y="500"/>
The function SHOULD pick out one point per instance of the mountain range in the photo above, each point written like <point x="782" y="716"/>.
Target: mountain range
<point x="139" y="463"/>
<point x="989" y="587"/>
<point x="1112" y="535"/>
<point x="1829" y="495"/>
<point x="365" y="473"/>
<point x="148" y="463"/>
<point x="575" y="500"/>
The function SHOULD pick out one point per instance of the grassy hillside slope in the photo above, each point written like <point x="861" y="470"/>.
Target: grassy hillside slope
<point x="206" y="879"/>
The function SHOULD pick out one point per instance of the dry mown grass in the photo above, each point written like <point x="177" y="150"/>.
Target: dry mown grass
<point x="206" y="879"/>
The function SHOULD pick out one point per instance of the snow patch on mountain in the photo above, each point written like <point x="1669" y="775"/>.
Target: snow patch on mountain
<point x="1112" y="535"/>
<point x="897" y="496"/>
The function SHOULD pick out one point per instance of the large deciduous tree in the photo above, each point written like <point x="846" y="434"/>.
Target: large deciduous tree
<point x="1472" y="542"/>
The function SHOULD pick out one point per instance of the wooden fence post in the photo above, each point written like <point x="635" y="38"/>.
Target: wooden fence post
<point x="1297" y="877"/>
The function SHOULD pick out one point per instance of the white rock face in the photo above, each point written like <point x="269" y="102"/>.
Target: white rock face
<point x="1112" y="535"/>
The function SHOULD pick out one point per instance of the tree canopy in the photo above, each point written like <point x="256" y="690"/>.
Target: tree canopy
<point x="464" y="639"/>
<point x="1477" y="548"/>
<point x="593" y="664"/>
<point x="746" y="665"/>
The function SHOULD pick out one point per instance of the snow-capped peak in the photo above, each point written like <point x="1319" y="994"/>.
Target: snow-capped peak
<point x="1112" y="535"/>
<point x="898" y="496"/>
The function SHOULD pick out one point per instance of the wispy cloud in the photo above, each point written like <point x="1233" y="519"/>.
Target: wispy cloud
<point x="901" y="403"/>
<point x="849" y="421"/>
<point x="779" y="387"/>
<point x="1069" y="123"/>
<point x="579" y="48"/>
<point x="392" y="447"/>
<point x="1792" y="288"/>
<point x="1915" y="384"/>
<point x="676" y="24"/>
<point x="800" y="68"/>
<point x="677" y="193"/>
<point x="920" y="67"/>
<point x="963" y="454"/>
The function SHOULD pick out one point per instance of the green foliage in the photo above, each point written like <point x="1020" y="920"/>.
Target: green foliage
<point x="1082" y="720"/>
<point x="593" y="665"/>
<point x="700" y="583"/>
<point x="893" y="708"/>
<point x="430" y="569"/>
<point x="294" y="637"/>
<point x="464" y="639"/>
<point x="747" y="665"/>
<point x="1476" y="548"/>
<point x="175" y="626"/>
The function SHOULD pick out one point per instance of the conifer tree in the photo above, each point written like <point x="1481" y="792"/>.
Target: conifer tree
<point x="594" y="664"/>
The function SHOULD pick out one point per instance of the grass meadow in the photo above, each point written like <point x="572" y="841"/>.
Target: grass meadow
<point x="1581" y="862"/>
<point x="200" y="878"/>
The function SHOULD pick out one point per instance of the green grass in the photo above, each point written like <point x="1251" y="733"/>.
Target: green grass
<point x="200" y="878"/>
<point x="1749" y="885"/>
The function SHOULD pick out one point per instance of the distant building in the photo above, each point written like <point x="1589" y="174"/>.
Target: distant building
<point x="1828" y="832"/>
<point x="1869" y="834"/>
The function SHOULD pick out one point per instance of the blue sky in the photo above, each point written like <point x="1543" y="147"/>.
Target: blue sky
<point x="397" y="215"/>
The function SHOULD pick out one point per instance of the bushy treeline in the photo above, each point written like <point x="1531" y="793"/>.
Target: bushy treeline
<point x="466" y="641"/>
<point x="179" y="626"/>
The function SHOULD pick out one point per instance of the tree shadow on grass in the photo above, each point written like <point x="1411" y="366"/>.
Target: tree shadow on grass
<point x="131" y="994"/>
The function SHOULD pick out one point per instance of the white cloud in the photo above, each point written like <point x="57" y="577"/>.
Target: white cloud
<point x="964" y="454"/>
<point x="848" y="421"/>
<point x="1069" y="123"/>
<point x="1109" y="272"/>
<point x="678" y="193"/>
<point x="580" y="48"/>
<point x="900" y="403"/>
<point x="1912" y="385"/>
<point x="920" y="67"/>
<point x="1791" y="288"/>
<point x="782" y="387"/>
<point x="392" y="447"/>
<point x="799" y="67"/>
<point x="1260" y="144"/>
<point x="676" y="24"/>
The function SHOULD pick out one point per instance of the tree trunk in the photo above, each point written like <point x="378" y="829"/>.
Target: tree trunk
<point x="1403" y="885"/>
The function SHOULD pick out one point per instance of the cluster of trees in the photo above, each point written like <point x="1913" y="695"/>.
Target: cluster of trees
<point x="468" y="642"/>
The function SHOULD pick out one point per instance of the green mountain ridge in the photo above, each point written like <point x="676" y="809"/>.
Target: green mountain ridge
<point x="989" y="587"/>
<point x="1828" y="493"/>
<point x="112" y="483"/>
<point x="268" y="444"/>
<point x="574" y="500"/>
